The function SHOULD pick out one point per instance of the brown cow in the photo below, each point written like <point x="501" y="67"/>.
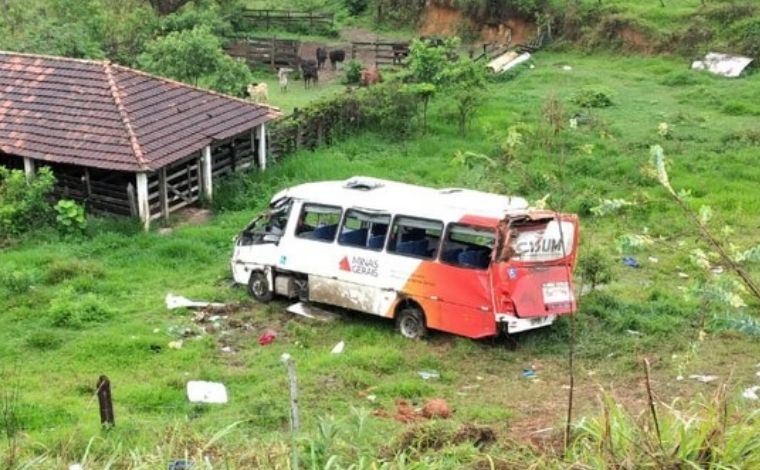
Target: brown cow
<point x="371" y="76"/>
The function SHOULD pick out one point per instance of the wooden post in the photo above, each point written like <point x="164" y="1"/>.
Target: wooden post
<point x="206" y="169"/>
<point x="353" y="51"/>
<point x="262" y="147"/>
<point x="271" y="54"/>
<point x="294" y="419"/>
<point x="106" y="404"/>
<point x="29" y="168"/>
<point x="132" y="198"/>
<point x="163" y="193"/>
<point x="143" y="205"/>
<point x="87" y="184"/>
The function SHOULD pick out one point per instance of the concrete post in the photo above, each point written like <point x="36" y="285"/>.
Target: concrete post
<point x="143" y="206"/>
<point x="29" y="168"/>
<point x="207" y="172"/>
<point x="262" y="147"/>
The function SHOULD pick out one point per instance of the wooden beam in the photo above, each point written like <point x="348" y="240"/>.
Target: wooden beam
<point x="162" y="193"/>
<point x="262" y="147"/>
<point x="29" y="168"/>
<point x="206" y="169"/>
<point x="143" y="205"/>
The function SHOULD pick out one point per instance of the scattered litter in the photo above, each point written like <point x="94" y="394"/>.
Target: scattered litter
<point x="717" y="270"/>
<point x="180" y="465"/>
<point x="704" y="378"/>
<point x="76" y="466"/>
<point x="679" y="378"/>
<point x="634" y="333"/>
<point x="757" y="373"/>
<point x="285" y="357"/>
<point x="610" y="355"/>
<point x="268" y="337"/>
<point x="751" y="393"/>
<point x="372" y="398"/>
<point x="206" y="392"/>
<point x="436" y="408"/>
<point x="532" y="66"/>
<point x="507" y="61"/>
<point x="477" y="377"/>
<point x="528" y="373"/>
<point x="631" y="262"/>
<point x="177" y="301"/>
<point x="228" y="350"/>
<point x="156" y="330"/>
<point x="653" y="259"/>
<point x="726" y="65"/>
<point x="683" y="275"/>
<point x="429" y="374"/>
<point x="567" y="68"/>
<point x="175" y="344"/>
<point x="214" y="318"/>
<point x="311" y="312"/>
<point x="338" y="348"/>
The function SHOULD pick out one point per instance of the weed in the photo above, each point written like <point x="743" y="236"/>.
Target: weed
<point x="593" y="97"/>
<point x="78" y="311"/>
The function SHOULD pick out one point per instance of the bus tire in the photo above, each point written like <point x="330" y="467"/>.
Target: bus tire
<point x="410" y="322"/>
<point x="258" y="287"/>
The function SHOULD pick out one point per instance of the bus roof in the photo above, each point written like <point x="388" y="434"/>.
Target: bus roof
<point x="449" y="204"/>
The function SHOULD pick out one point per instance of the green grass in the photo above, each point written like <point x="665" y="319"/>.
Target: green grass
<point x="296" y="95"/>
<point x="75" y="309"/>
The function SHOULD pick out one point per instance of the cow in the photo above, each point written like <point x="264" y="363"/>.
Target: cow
<point x="321" y="57"/>
<point x="309" y="73"/>
<point x="338" y="55"/>
<point x="400" y="52"/>
<point x="282" y="78"/>
<point x="258" y="92"/>
<point x="371" y="76"/>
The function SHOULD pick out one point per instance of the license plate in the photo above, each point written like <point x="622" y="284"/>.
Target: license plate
<point x="557" y="292"/>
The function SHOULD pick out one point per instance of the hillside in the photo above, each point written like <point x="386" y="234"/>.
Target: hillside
<point x="74" y="309"/>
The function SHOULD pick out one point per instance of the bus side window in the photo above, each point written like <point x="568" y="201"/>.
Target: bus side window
<point x="364" y="229"/>
<point x="468" y="246"/>
<point x="415" y="237"/>
<point x="318" y="222"/>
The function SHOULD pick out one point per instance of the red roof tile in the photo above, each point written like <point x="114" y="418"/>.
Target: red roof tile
<point x="103" y="115"/>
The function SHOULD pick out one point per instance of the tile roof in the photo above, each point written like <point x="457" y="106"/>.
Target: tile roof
<point x="102" y="115"/>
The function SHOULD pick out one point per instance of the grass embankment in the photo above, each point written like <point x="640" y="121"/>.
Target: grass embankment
<point x="75" y="309"/>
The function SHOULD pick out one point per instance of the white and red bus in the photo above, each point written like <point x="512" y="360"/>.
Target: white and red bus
<point x="455" y="260"/>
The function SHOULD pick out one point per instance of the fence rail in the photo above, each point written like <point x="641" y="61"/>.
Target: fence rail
<point x="266" y="51"/>
<point x="285" y="18"/>
<point x="385" y="53"/>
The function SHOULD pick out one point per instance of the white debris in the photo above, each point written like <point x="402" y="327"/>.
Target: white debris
<point x="206" y="392"/>
<point x="156" y="330"/>
<point x="717" y="270"/>
<point x="751" y="393"/>
<point x="634" y="333"/>
<point x="726" y="65"/>
<point x="338" y="348"/>
<point x="704" y="378"/>
<point x="683" y="275"/>
<point x="227" y="349"/>
<point x="679" y="378"/>
<point x="76" y="466"/>
<point x="175" y="344"/>
<point x="177" y="301"/>
<point x="311" y="312"/>
<point x="507" y="61"/>
<point x="653" y="259"/>
<point x="429" y="374"/>
<point x="372" y="398"/>
<point x="285" y="357"/>
<point x="567" y="68"/>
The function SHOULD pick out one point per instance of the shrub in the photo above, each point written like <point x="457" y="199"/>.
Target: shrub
<point x="594" y="268"/>
<point x="78" y="311"/>
<point x="356" y="7"/>
<point x="23" y="204"/>
<point x="70" y="217"/>
<point x="44" y="340"/>
<point x="17" y="282"/>
<point x="593" y="97"/>
<point x="746" y="36"/>
<point x="353" y="72"/>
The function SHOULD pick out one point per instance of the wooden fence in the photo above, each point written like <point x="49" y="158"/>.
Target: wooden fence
<point x="287" y="18"/>
<point x="385" y="53"/>
<point x="266" y="51"/>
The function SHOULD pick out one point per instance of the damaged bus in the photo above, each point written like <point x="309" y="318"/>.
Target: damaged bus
<point x="454" y="260"/>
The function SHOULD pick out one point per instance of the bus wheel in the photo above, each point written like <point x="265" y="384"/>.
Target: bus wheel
<point x="410" y="322"/>
<point x="258" y="287"/>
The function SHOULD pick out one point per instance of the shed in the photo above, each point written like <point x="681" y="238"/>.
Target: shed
<point x="120" y="140"/>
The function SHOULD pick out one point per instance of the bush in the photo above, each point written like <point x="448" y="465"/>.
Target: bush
<point x="17" y="282"/>
<point x="746" y="36"/>
<point x="593" y="97"/>
<point x="70" y="217"/>
<point x="356" y="7"/>
<point x="78" y="311"/>
<point x="23" y="204"/>
<point x="594" y="268"/>
<point x="353" y="72"/>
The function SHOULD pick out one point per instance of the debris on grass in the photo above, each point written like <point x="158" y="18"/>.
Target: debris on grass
<point x="436" y="408"/>
<point x="631" y="262"/>
<point x="429" y="374"/>
<point x="177" y="301"/>
<point x="180" y="465"/>
<point x="683" y="275"/>
<point x="175" y="344"/>
<point x="338" y="348"/>
<point x="206" y="392"/>
<point x="311" y="312"/>
<point x="751" y="393"/>
<point x="725" y="65"/>
<point x="528" y="373"/>
<point x="653" y="260"/>
<point x="704" y="378"/>
<point x="268" y="337"/>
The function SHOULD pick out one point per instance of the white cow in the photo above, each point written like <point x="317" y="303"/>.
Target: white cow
<point x="282" y="77"/>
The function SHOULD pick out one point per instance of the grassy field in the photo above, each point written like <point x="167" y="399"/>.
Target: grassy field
<point x="75" y="309"/>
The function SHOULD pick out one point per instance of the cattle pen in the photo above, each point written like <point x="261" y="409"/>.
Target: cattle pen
<point x="385" y="53"/>
<point x="287" y="18"/>
<point x="270" y="52"/>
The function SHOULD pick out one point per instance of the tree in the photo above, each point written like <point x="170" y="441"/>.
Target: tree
<point x="165" y="7"/>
